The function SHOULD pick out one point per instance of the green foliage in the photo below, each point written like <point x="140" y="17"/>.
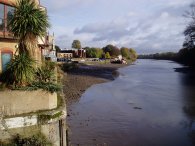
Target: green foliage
<point x="107" y="55"/>
<point x="113" y="50"/>
<point x="20" y="71"/>
<point x="76" y="44"/>
<point x="46" y="73"/>
<point x="93" y="52"/>
<point x="108" y="48"/>
<point x="125" y="52"/>
<point x="29" y="22"/>
<point x="20" y="75"/>
<point x="129" y="54"/>
<point x="46" y="86"/>
<point x="132" y="54"/>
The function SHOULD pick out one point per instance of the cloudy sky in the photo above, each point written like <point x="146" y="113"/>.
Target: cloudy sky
<point x="149" y="26"/>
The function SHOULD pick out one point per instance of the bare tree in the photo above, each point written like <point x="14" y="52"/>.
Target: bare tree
<point x="189" y="32"/>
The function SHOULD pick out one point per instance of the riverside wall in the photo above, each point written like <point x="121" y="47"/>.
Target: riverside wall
<point x="14" y="103"/>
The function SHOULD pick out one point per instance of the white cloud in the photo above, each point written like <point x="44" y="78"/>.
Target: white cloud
<point x="147" y="25"/>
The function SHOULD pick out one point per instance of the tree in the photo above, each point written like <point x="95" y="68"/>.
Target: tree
<point x="94" y="52"/>
<point x="189" y="32"/>
<point x="133" y="55"/>
<point x="187" y="54"/>
<point x="108" y="48"/>
<point x="107" y="55"/>
<point x="99" y="53"/>
<point x="125" y="52"/>
<point x="28" y="23"/>
<point x="76" y="44"/>
<point x="113" y="50"/>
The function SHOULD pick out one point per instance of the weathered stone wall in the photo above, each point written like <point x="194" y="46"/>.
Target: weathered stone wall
<point x="20" y="102"/>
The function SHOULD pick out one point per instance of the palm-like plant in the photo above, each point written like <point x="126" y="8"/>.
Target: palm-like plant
<point x="28" y="23"/>
<point x="20" y="71"/>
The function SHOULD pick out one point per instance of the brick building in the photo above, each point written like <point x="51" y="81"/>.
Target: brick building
<point x="71" y="53"/>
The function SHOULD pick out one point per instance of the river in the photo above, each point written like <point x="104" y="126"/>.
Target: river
<point x="151" y="103"/>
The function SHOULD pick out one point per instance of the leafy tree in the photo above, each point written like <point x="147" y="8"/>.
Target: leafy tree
<point x="28" y="23"/>
<point x="89" y="52"/>
<point x="125" y="52"/>
<point x="94" y="52"/>
<point x="113" y="50"/>
<point x="108" y="48"/>
<point x="133" y="54"/>
<point x="107" y="55"/>
<point x="99" y="53"/>
<point x="76" y="44"/>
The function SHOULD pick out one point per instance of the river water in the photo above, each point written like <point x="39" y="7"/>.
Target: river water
<point x="151" y="103"/>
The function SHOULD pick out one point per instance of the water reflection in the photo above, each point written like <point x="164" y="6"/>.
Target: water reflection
<point x="150" y="105"/>
<point x="188" y="82"/>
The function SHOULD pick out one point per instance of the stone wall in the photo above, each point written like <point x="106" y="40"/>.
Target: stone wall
<point x="20" y="102"/>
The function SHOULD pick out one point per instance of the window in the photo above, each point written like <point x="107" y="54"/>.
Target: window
<point x="1" y="17"/>
<point x="10" y="13"/>
<point x="6" y="14"/>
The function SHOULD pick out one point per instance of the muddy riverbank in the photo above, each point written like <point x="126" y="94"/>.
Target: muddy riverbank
<point x="78" y="80"/>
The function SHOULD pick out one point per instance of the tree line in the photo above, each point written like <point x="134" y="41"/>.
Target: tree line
<point x="107" y="52"/>
<point x="111" y="51"/>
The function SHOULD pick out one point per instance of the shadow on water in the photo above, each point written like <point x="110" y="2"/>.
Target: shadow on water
<point x="188" y="80"/>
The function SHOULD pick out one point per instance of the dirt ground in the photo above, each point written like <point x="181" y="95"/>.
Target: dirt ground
<point x="81" y="78"/>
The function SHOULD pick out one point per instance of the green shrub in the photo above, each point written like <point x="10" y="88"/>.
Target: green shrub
<point x="46" y="73"/>
<point x="20" y="71"/>
<point x="46" y="86"/>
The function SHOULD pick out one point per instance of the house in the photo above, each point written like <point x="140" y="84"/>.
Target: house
<point x="71" y="53"/>
<point x="47" y="45"/>
<point x="8" y="43"/>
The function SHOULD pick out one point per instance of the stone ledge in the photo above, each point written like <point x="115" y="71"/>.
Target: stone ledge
<point x="14" y="103"/>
